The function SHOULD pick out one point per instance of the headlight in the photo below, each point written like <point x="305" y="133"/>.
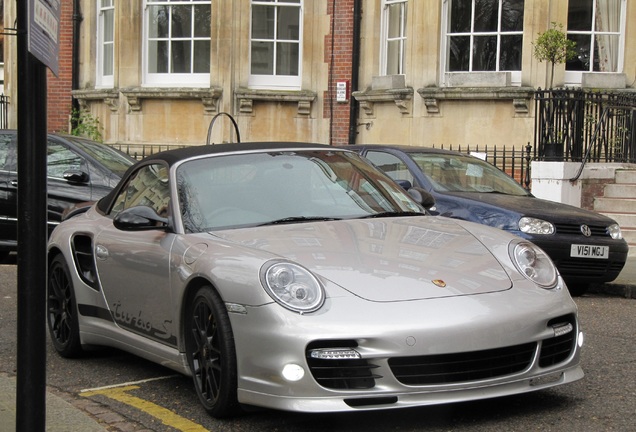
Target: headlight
<point x="292" y="286"/>
<point x="531" y="225"/>
<point x="615" y="231"/>
<point x="534" y="264"/>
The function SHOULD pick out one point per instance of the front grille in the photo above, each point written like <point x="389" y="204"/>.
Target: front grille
<point x="575" y="229"/>
<point x="586" y="266"/>
<point x="462" y="367"/>
<point x="341" y="374"/>
<point x="559" y="348"/>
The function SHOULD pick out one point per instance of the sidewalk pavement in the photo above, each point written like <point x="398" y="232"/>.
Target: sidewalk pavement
<point x="62" y="416"/>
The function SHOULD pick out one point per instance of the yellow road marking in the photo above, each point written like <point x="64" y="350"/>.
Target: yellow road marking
<point x="167" y="417"/>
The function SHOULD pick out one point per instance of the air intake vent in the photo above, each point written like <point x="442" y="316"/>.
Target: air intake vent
<point x="462" y="367"/>
<point x="340" y="373"/>
<point x="559" y="348"/>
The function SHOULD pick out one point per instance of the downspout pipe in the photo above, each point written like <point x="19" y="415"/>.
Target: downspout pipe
<point x="77" y="20"/>
<point x="354" y="106"/>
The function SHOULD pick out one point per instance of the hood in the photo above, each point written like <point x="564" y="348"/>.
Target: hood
<point x="516" y="207"/>
<point x="387" y="259"/>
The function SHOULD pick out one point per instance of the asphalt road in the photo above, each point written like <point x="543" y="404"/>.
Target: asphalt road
<point x="139" y="395"/>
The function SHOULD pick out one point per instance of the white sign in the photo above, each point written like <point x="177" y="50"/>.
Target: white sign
<point x="341" y="91"/>
<point x="44" y="32"/>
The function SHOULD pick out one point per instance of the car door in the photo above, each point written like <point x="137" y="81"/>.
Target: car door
<point x="8" y="191"/>
<point x="134" y="266"/>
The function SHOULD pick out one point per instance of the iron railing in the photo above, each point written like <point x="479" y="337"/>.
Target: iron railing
<point x="585" y="126"/>
<point x="514" y="162"/>
<point x="140" y="151"/>
<point x="4" y="110"/>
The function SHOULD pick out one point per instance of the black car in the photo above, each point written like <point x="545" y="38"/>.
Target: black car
<point x="77" y="170"/>
<point x="586" y="247"/>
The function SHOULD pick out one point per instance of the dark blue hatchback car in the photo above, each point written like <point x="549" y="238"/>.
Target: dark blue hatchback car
<point x="586" y="247"/>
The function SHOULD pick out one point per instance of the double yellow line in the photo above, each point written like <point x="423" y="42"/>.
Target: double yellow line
<point x="121" y="394"/>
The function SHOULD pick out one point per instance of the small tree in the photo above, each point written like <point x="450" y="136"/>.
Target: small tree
<point x="554" y="46"/>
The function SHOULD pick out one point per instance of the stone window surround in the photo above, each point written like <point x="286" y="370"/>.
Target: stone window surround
<point x="209" y="97"/>
<point x="520" y="96"/>
<point x="471" y="86"/>
<point x="246" y="97"/>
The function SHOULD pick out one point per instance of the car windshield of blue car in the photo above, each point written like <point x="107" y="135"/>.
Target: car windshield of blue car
<point x="464" y="173"/>
<point x="255" y="189"/>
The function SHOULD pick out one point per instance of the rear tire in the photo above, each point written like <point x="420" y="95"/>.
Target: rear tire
<point x="211" y="353"/>
<point x="62" y="318"/>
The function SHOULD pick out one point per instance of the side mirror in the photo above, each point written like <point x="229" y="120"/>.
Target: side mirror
<point x="422" y="196"/>
<point x="404" y="184"/>
<point x="76" y="176"/>
<point x="139" y="218"/>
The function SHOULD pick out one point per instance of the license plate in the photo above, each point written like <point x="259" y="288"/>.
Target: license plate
<point x="589" y="251"/>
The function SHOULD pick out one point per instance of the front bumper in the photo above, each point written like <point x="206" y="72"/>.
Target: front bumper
<point x="584" y="270"/>
<point x="468" y="328"/>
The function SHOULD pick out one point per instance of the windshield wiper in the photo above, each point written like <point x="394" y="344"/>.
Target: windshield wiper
<point x="393" y="214"/>
<point x="294" y="219"/>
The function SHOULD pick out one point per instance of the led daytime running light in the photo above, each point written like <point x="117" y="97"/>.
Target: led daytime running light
<point x="335" y="354"/>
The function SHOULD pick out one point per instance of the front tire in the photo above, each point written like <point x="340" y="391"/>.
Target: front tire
<point x="62" y="316"/>
<point x="211" y="353"/>
<point x="578" y="289"/>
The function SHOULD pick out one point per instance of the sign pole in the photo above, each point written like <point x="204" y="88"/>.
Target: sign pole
<point x="32" y="212"/>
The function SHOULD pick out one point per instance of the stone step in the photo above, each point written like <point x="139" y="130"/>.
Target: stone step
<point x="625" y="220"/>
<point x="618" y="205"/>
<point x="629" y="234"/>
<point x="620" y="190"/>
<point x="630" y="237"/>
<point x="626" y="176"/>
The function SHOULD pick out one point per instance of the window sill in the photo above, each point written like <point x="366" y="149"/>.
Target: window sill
<point x="478" y="79"/>
<point x="246" y="98"/>
<point x="109" y="96"/>
<point x="209" y="96"/>
<point x="520" y="96"/>
<point x="399" y="96"/>
<point x="603" y="80"/>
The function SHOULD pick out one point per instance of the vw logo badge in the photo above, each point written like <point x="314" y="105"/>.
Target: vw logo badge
<point x="586" y="230"/>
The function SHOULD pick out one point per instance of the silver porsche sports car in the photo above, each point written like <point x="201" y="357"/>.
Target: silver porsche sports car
<point x="298" y="277"/>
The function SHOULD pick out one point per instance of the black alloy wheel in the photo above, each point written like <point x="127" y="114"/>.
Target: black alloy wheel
<point x="211" y="353"/>
<point x="62" y="311"/>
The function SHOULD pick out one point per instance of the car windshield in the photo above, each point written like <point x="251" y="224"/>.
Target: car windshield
<point x="112" y="159"/>
<point x="463" y="173"/>
<point x="284" y="187"/>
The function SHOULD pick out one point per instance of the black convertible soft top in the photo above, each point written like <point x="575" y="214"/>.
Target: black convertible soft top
<point x="170" y="157"/>
<point x="173" y="156"/>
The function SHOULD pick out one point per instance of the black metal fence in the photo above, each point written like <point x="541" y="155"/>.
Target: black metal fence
<point x="140" y="151"/>
<point x="585" y="126"/>
<point x="512" y="161"/>
<point x="4" y="110"/>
